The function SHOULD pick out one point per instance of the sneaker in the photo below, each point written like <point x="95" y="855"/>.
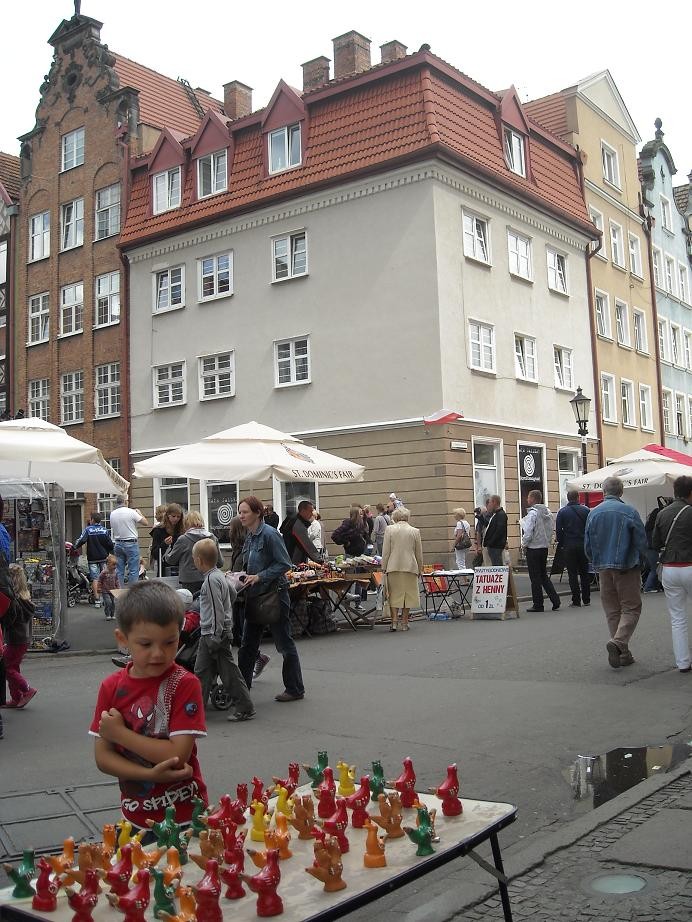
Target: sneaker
<point x="626" y="658"/>
<point x="120" y="661"/>
<point x="260" y="663"/>
<point x="556" y="605"/>
<point x="26" y="697"/>
<point x="574" y="604"/>
<point x="287" y="696"/>
<point x="686" y="669"/>
<point x="97" y="603"/>
<point x="614" y="653"/>
<point x="13" y="704"/>
<point x="533" y="608"/>
<point x="240" y="717"/>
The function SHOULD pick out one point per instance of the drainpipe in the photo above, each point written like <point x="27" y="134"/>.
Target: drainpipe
<point x="13" y="212"/>
<point x="647" y="223"/>
<point x="125" y="317"/>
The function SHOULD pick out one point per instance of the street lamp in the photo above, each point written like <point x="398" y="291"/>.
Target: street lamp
<point x="581" y="405"/>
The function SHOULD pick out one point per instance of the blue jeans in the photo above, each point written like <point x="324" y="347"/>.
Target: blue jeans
<point x="652" y="579"/>
<point x="285" y="645"/>
<point x="127" y="554"/>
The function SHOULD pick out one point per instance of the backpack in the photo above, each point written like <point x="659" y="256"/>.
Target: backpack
<point x="286" y="529"/>
<point x="650" y="525"/>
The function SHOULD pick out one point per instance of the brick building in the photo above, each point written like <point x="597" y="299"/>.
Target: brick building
<point x="95" y="108"/>
<point x="9" y="197"/>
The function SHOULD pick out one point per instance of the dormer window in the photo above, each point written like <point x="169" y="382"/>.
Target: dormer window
<point x="166" y="186"/>
<point x="514" y="152"/>
<point x="284" y="148"/>
<point x="212" y="175"/>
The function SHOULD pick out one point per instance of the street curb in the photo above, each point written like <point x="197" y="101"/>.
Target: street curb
<point x="112" y="651"/>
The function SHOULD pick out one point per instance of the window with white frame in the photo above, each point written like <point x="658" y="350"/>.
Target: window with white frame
<point x="476" y="238"/>
<point x="669" y="270"/>
<point x="519" y="249"/>
<point x="107" y="217"/>
<point x="216" y="375"/>
<point x="169" y="289"/>
<point x="597" y="218"/>
<point x="212" y="175"/>
<point x="675" y="345"/>
<point x="107" y="396"/>
<point x="602" y="307"/>
<point x="562" y="359"/>
<point x="487" y="471"/>
<point x="645" y="415"/>
<point x="169" y="385"/>
<point x="557" y="271"/>
<point x="39" y="236"/>
<point x="172" y="490"/>
<point x="568" y="467"/>
<point x="622" y="323"/>
<point x="684" y="285"/>
<point x="611" y="167"/>
<point x="284" y="148"/>
<point x="515" y="153"/>
<point x="658" y="267"/>
<point x="680" y="415"/>
<point x="292" y="361"/>
<point x="481" y="346"/>
<point x="641" y="342"/>
<point x="72" y="397"/>
<point x="72" y="149"/>
<point x="215" y="276"/>
<point x="39" y="398"/>
<point x="627" y="403"/>
<point x="72" y="224"/>
<point x="635" y="255"/>
<point x="107" y="297"/>
<point x="663" y="341"/>
<point x="608" y="407"/>
<point x="687" y="349"/>
<point x="666" y="403"/>
<point x="289" y="256"/>
<point x="166" y="190"/>
<point x="71" y="309"/>
<point x="525" y="357"/>
<point x="617" y="249"/>
<point x="39" y="318"/>
<point x="666" y="213"/>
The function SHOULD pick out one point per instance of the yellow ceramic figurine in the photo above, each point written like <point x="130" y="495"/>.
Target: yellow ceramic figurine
<point x="347" y="775"/>
<point x="284" y="803"/>
<point x="260" y="821"/>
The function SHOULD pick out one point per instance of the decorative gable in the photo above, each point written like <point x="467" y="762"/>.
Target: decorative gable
<point x="511" y="112"/>
<point x="212" y="135"/>
<point x="514" y="133"/>
<point x="285" y="108"/>
<point x="167" y="153"/>
<point x="284" y="131"/>
<point x="602" y="93"/>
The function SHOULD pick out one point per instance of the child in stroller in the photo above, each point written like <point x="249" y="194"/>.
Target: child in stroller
<point x="78" y="584"/>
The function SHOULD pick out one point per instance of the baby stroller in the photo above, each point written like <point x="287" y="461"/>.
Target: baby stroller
<point x="78" y="582"/>
<point x="190" y="634"/>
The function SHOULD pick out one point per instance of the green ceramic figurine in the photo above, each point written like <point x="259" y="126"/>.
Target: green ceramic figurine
<point x="316" y="772"/>
<point x="423" y="834"/>
<point x="22" y="875"/>
<point x="198" y="811"/>
<point x="163" y="894"/>
<point x="377" y="781"/>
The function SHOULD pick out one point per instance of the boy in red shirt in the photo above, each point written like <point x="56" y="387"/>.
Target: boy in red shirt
<point x="149" y="713"/>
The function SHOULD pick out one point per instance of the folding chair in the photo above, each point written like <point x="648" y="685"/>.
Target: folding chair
<point x="435" y="590"/>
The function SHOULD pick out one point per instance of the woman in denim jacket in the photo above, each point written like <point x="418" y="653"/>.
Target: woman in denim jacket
<point x="265" y="561"/>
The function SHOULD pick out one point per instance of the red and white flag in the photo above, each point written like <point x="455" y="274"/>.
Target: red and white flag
<point x="441" y="417"/>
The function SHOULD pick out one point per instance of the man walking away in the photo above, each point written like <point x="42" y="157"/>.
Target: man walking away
<point x="673" y="537"/>
<point x="614" y="542"/>
<point x="98" y="547"/>
<point x="495" y="534"/>
<point x="652" y="583"/>
<point x="124" y="523"/>
<point x="537" y="533"/>
<point x="570" y="526"/>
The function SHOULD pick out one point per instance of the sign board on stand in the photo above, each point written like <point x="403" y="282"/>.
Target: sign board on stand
<point x="494" y="593"/>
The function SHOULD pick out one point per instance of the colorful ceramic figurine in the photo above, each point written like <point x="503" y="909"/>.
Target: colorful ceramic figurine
<point x="22" y="875"/>
<point x="211" y="845"/>
<point x="163" y="894"/>
<point x="63" y="862"/>
<point x="208" y="893"/>
<point x="166" y="830"/>
<point x="283" y="836"/>
<point x="233" y="842"/>
<point x="448" y="793"/>
<point x="428" y="816"/>
<point x="118" y="877"/>
<point x="125" y="836"/>
<point x="109" y="840"/>
<point x="198" y="812"/>
<point x="290" y="782"/>
<point x="47" y="886"/>
<point x="347" y="774"/>
<point x="358" y="802"/>
<point x="304" y="817"/>
<point x="135" y="902"/>
<point x="327" y="865"/>
<point x="234" y="856"/>
<point x="337" y="824"/>
<point x="173" y="870"/>
<point x="142" y="859"/>
<point x="90" y="857"/>
<point x="228" y="811"/>
<point x="390" y="817"/>
<point x="242" y="795"/>
<point x="406" y="784"/>
<point x="326" y="794"/>
<point x="377" y="781"/>
<point x="84" y="900"/>
<point x="259" y="792"/>
<point x="188" y="907"/>
<point x="423" y="834"/>
<point x="374" y="848"/>
<point x="284" y="803"/>
<point x="265" y="884"/>
<point x="316" y="772"/>
<point x="260" y="821"/>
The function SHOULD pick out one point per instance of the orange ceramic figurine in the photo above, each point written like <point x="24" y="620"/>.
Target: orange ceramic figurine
<point x="109" y="843"/>
<point x="173" y="870"/>
<point x="283" y="836"/>
<point x="211" y="845"/>
<point x="260" y="821"/>
<point x="304" y="817"/>
<point x="390" y="817"/>
<point x="259" y="859"/>
<point x="63" y="862"/>
<point x="89" y="858"/>
<point x="448" y="792"/>
<point x="328" y="866"/>
<point x="347" y="774"/>
<point x="142" y="859"/>
<point x="265" y="884"/>
<point x="406" y="784"/>
<point x="374" y="848"/>
<point x="188" y="907"/>
<point x="358" y="802"/>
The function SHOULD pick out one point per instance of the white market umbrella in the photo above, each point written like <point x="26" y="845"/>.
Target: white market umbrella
<point x="250" y="452"/>
<point x="639" y="469"/>
<point x="34" y="450"/>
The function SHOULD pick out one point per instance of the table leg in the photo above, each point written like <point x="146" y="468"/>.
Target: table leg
<point x="336" y="606"/>
<point x="504" y="892"/>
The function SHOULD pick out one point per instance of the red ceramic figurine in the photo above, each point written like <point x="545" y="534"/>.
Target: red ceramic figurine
<point x="228" y="811"/>
<point x="337" y="824"/>
<point x="448" y="793"/>
<point x="134" y="903"/>
<point x="233" y="842"/>
<point x="231" y="875"/>
<point x="291" y="782"/>
<point x="265" y="884"/>
<point x="47" y="885"/>
<point x="358" y="802"/>
<point x="118" y="878"/>
<point x="326" y="795"/>
<point x="84" y="900"/>
<point x="258" y="791"/>
<point x="208" y="893"/>
<point x="406" y="784"/>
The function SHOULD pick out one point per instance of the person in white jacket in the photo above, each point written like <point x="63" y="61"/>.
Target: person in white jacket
<point x="537" y="532"/>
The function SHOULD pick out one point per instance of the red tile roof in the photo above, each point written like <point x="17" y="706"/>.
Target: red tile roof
<point x="413" y="108"/>
<point x="163" y="101"/>
<point x="550" y="112"/>
<point x="9" y="175"/>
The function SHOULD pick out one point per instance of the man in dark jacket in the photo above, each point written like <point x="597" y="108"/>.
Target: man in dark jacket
<point x="98" y="547"/>
<point x="295" y="533"/>
<point x="271" y="517"/>
<point x="495" y="534"/>
<point x="570" y="526"/>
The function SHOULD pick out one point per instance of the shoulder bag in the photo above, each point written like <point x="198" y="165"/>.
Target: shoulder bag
<point x="463" y="540"/>
<point x="264" y="608"/>
<point x="659" y="565"/>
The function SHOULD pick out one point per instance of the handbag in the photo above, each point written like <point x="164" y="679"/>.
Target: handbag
<point x="463" y="542"/>
<point x="263" y="609"/>
<point x="659" y="565"/>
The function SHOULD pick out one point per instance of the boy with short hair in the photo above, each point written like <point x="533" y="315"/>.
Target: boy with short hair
<point x="214" y="655"/>
<point x="108" y="579"/>
<point x="149" y="714"/>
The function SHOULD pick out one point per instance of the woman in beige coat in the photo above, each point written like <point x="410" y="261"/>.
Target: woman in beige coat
<point x="402" y="561"/>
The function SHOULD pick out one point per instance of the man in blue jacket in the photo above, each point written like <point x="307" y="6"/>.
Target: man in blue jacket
<point x="98" y="547"/>
<point x="615" y="542"/>
<point x="570" y="526"/>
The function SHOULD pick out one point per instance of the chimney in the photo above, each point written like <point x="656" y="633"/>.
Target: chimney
<point x="315" y="73"/>
<point x="351" y="54"/>
<point x="237" y="99"/>
<point x="392" y="51"/>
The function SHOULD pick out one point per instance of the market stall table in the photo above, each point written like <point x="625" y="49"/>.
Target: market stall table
<point x="336" y="591"/>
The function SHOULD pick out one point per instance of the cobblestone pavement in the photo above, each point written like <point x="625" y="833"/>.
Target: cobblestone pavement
<point x="557" y="889"/>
